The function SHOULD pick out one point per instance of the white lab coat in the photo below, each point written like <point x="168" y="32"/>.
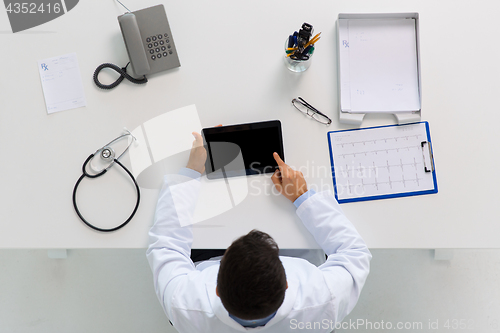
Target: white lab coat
<point x="316" y="298"/>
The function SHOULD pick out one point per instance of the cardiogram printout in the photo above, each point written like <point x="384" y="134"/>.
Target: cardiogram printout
<point x="381" y="162"/>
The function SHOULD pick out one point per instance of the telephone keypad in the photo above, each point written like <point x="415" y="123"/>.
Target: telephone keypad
<point x="154" y="49"/>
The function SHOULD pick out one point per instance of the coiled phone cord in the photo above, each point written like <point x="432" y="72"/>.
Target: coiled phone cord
<point x="123" y="75"/>
<point x="86" y="174"/>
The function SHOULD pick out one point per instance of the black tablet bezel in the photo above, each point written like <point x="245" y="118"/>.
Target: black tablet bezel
<point x="212" y="174"/>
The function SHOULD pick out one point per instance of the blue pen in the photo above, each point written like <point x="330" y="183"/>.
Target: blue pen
<point x="295" y="35"/>
<point x="307" y="49"/>
<point x="290" y="41"/>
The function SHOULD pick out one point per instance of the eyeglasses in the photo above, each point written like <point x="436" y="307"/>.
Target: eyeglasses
<point x="309" y="110"/>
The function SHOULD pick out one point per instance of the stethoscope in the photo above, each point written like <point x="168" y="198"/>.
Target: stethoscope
<point x="107" y="155"/>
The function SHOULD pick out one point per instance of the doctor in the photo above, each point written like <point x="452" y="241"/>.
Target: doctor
<point x="252" y="288"/>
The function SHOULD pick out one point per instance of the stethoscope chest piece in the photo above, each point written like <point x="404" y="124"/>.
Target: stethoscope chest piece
<point x="107" y="153"/>
<point x="106" y="159"/>
<point x="101" y="160"/>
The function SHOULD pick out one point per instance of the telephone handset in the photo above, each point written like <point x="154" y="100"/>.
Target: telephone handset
<point x="133" y="43"/>
<point x="149" y="42"/>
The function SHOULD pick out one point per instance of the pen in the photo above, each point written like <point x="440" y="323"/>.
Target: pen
<point x="307" y="50"/>
<point x="300" y="44"/>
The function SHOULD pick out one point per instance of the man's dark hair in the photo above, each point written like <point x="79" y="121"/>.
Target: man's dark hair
<point x="251" y="282"/>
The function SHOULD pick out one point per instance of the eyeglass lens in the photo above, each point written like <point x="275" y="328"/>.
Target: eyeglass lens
<point x="311" y="113"/>
<point x="322" y="119"/>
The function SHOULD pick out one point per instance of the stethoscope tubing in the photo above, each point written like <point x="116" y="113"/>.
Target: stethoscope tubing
<point x="85" y="174"/>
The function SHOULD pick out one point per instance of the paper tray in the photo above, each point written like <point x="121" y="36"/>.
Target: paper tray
<point x="379" y="66"/>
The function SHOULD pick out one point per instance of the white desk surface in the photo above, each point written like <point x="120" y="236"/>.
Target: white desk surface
<point x="232" y="69"/>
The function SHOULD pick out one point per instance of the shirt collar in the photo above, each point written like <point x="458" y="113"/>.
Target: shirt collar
<point x="253" y="322"/>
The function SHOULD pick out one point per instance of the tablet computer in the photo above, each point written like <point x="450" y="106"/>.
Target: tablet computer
<point x="245" y="149"/>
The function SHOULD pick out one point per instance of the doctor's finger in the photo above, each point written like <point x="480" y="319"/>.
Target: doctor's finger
<point x="276" y="180"/>
<point x="198" y="140"/>
<point x="278" y="159"/>
<point x="283" y="167"/>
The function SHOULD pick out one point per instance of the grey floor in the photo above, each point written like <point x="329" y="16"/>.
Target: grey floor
<point x="112" y="291"/>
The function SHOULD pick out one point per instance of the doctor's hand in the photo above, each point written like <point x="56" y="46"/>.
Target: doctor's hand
<point x="198" y="154"/>
<point x="289" y="182"/>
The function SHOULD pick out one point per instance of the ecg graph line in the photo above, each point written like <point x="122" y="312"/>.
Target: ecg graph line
<point x="350" y="186"/>
<point x="374" y="167"/>
<point x="364" y="142"/>
<point x="380" y="150"/>
<point x="404" y="181"/>
<point x="402" y="165"/>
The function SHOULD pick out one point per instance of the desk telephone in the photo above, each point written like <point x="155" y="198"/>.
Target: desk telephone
<point x="149" y="42"/>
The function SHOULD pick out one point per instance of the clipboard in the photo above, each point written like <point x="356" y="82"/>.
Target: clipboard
<point x="382" y="162"/>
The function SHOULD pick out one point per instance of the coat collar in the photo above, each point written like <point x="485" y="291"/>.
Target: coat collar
<point x="283" y="311"/>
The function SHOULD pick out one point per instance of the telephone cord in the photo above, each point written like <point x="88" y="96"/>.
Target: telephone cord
<point x="123" y="75"/>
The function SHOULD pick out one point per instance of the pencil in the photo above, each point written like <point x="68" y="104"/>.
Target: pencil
<point x="313" y="40"/>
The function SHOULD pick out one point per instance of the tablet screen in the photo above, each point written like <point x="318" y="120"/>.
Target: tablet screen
<point x="244" y="149"/>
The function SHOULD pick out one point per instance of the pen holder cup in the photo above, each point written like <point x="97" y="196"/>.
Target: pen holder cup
<point x="296" y="65"/>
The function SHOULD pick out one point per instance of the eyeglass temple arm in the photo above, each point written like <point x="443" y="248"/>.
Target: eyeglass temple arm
<point x="313" y="108"/>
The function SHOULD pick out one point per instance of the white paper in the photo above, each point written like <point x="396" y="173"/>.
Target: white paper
<point x="62" y="83"/>
<point x="380" y="161"/>
<point x="383" y="65"/>
<point x="345" y="83"/>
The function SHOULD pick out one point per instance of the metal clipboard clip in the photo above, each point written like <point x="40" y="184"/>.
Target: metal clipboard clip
<point x="428" y="157"/>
